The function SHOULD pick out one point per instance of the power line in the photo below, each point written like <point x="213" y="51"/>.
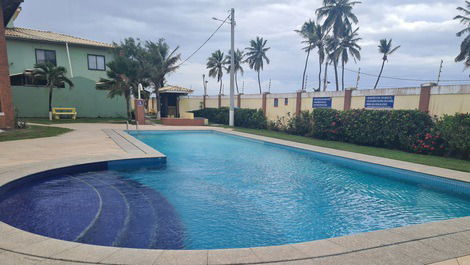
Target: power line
<point x="208" y="39"/>
<point x="405" y="79"/>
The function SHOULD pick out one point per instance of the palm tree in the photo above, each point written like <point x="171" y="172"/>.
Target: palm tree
<point x="54" y="76"/>
<point x="338" y="16"/>
<point x="256" y="56"/>
<point x="119" y="82"/>
<point x="216" y="65"/>
<point x="320" y="38"/>
<point x="307" y="32"/>
<point x="348" y="46"/>
<point x="238" y="65"/>
<point x="161" y="61"/>
<point x="386" y="49"/>
<point x="464" y="54"/>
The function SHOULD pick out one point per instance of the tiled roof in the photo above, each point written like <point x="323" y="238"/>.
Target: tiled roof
<point x="175" y="89"/>
<point x="40" y="35"/>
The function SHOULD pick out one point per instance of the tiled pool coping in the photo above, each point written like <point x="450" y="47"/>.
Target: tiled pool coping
<point x="417" y="244"/>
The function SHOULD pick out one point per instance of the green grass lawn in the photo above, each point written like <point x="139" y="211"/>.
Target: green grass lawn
<point x="32" y="132"/>
<point x="78" y="120"/>
<point x="437" y="161"/>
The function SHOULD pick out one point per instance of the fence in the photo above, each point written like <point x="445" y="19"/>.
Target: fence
<point x="437" y="100"/>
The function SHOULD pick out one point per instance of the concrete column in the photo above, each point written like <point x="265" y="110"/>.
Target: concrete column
<point x="298" y="103"/>
<point x="425" y="97"/>
<point x="239" y="100"/>
<point x="7" y="114"/>
<point x="264" y="102"/>
<point x="220" y="101"/>
<point x="347" y="99"/>
<point x="139" y="111"/>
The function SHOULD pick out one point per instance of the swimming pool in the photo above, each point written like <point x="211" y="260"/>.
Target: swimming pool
<point x="222" y="191"/>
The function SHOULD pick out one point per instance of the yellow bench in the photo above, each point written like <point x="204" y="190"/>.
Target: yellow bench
<point x="57" y="112"/>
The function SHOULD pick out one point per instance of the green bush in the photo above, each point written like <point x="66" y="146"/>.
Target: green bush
<point x="247" y="118"/>
<point x="301" y="125"/>
<point x="455" y="130"/>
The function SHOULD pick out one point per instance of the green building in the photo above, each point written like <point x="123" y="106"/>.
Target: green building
<point x="85" y="61"/>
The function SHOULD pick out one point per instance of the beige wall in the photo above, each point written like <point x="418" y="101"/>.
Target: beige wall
<point x="444" y="100"/>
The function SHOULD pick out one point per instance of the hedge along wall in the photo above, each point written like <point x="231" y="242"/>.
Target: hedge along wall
<point x="32" y="102"/>
<point x="442" y="100"/>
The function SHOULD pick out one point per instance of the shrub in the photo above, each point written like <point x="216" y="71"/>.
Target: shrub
<point x="327" y="124"/>
<point x="301" y="125"/>
<point x="455" y="130"/>
<point x="247" y="118"/>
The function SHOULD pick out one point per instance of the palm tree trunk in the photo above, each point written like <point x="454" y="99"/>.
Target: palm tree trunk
<point x="305" y="68"/>
<point x="380" y="74"/>
<point x="157" y="95"/>
<point x="220" y="89"/>
<point x="325" y="81"/>
<point x="50" y="102"/>
<point x="336" y="74"/>
<point x="342" y="76"/>
<point x="128" y="108"/>
<point x="259" y="84"/>
<point x="319" y="74"/>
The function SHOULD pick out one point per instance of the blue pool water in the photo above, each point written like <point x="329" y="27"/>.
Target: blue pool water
<point x="221" y="191"/>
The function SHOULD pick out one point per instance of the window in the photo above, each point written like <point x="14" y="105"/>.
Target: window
<point x="45" y="57"/>
<point x="276" y="102"/>
<point x="96" y="62"/>
<point x="286" y="101"/>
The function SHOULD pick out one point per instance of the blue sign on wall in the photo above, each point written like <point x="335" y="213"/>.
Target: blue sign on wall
<point x="321" y="103"/>
<point x="380" y="102"/>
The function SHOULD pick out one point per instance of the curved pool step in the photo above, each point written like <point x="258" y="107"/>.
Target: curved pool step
<point x="63" y="212"/>
<point x="142" y="220"/>
<point x="112" y="217"/>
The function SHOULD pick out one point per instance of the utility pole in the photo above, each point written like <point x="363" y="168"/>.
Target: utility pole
<point x="232" y="70"/>
<point x="358" y="78"/>
<point x="440" y="72"/>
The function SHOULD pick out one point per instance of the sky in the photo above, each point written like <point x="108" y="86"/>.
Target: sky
<point x="425" y="29"/>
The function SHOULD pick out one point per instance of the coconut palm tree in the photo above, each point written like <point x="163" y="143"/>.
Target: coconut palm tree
<point x="238" y="65"/>
<point x="121" y="73"/>
<point x="54" y="77"/>
<point x="160" y="61"/>
<point x="256" y="56"/>
<point x="385" y="48"/>
<point x="348" y="46"/>
<point x="308" y="34"/>
<point x="216" y="65"/>
<point x="464" y="19"/>
<point x="320" y="43"/>
<point x="338" y="16"/>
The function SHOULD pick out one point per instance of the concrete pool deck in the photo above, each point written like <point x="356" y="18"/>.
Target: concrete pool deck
<point x="447" y="241"/>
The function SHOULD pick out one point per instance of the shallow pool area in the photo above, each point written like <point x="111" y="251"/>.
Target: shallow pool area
<point x="222" y="191"/>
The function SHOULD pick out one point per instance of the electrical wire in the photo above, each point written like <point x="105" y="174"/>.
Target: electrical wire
<point x="208" y="39"/>
<point x="405" y="79"/>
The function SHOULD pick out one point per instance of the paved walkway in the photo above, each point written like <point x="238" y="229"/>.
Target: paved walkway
<point x="440" y="242"/>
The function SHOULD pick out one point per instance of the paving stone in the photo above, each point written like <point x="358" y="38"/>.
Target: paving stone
<point x="86" y="253"/>
<point x="448" y="245"/>
<point x="133" y="256"/>
<point x="182" y="257"/>
<point x="319" y="248"/>
<point x="232" y="256"/>
<point x="368" y="240"/>
<point x="447" y="262"/>
<point x="464" y="260"/>
<point x="278" y="253"/>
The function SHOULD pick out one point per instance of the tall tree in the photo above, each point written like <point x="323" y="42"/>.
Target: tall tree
<point x="238" y="65"/>
<point x="54" y="77"/>
<point x="216" y="65"/>
<point x="348" y="46"/>
<point x="121" y="73"/>
<point x="161" y="60"/>
<point x="256" y="56"/>
<point x="464" y="19"/>
<point x="385" y="48"/>
<point x="320" y="43"/>
<point x="308" y="34"/>
<point x="338" y="16"/>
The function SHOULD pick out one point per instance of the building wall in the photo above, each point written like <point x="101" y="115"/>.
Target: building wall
<point x="443" y="100"/>
<point x="32" y="101"/>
